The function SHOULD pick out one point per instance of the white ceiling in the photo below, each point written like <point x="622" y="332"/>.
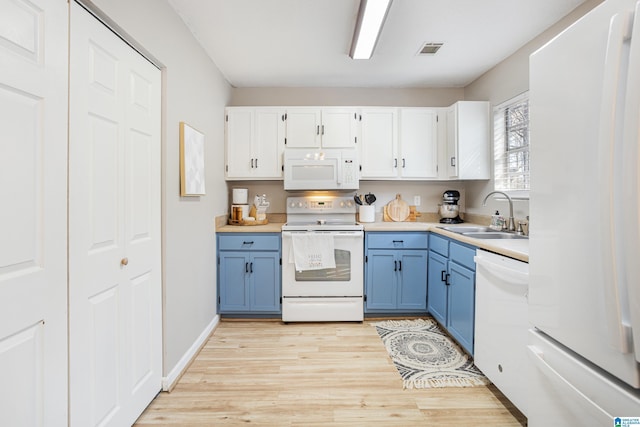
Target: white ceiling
<point x="305" y="43"/>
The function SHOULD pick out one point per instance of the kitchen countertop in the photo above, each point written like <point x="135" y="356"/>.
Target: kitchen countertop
<point x="272" y="227"/>
<point x="513" y="248"/>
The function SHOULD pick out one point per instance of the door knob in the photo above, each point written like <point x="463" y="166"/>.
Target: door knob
<point x="124" y="261"/>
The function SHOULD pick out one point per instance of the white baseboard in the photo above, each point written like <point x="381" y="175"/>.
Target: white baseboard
<point x="169" y="381"/>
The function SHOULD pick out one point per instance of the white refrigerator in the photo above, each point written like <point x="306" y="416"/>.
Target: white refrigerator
<point x="584" y="293"/>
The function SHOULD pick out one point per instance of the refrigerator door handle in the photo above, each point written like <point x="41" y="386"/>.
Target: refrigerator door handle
<point x="631" y="185"/>
<point x="577" y="401"/>
<point x="610" y="178"/>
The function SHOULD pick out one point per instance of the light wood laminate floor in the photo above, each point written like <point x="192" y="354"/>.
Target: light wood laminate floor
<point x="312" y="374"/>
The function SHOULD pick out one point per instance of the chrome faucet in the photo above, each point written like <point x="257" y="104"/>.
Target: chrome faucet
<point x="512" y="222"/>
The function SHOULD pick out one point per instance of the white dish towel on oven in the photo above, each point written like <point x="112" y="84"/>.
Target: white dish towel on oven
<point x="312" y="251"/>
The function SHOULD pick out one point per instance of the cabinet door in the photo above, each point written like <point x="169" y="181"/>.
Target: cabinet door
<point x="452" y="143"/>
<point x="412" y="289"/>
<point x="303" y="127"/>
<point x="473" y="140"/>
<point x="418" y="143"/>
<point x="437" y="288"/>
<point x="239" y="128"/>
<point x="264" y="268"/>
<point x="379" y="143"/>
<point x="468" y="140"/>
<point x="339" y="127"/>
<point x="234" y="269"/>
<point x="268" y="144"/>
<point x="381" y="280"/>
<point x="461" y="307"/>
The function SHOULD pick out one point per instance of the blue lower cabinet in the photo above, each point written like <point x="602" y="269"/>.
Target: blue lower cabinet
<point x="249" y="273"/>
<point x="452" y="287"/>
<point x="461" y="307"/>
<point x="396" y="272"/>
<point x="381" y="280"/>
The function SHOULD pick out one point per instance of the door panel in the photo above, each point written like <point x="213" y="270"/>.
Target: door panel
<point x="33" y="242"/>
<point x="22" y="387"/>
<point x="115" y="298"/>
<point x="303" y="128"/>
<point x="338" y="128"/>
<point x="461" y="305"/>
<point x="413" y="273"/>
<point x="382" y="280"/>
<point x="239" y="142"/>
<point x="265" y="282"/>
<point x="269" y="143"/>
<point x="379" y="143"/>
<point x="419" y="143"/>
<point x="437" y="289"/>
<point x="233" y="277"/>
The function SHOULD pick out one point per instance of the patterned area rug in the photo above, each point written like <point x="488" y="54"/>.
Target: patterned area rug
<point x="426" y="357"/>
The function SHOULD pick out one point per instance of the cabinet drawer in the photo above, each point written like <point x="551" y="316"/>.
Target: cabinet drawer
<point x="408" y="240"/>
<point x="439" y="244"/>
<point x="246" y="241"/>
<point x="463" y="255"/>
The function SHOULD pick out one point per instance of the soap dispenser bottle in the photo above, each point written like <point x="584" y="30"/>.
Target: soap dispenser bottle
<point x="495" y="221"/>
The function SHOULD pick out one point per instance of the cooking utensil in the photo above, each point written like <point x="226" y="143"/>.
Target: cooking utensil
<point x="358" y="199"/>
<point x="370" y="199"/>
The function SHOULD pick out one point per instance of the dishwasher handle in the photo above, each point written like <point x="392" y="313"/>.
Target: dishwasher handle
<point x="510" y="275"/>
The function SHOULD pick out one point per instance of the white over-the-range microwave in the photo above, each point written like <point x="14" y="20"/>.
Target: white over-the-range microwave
<point x="321" y="169"/>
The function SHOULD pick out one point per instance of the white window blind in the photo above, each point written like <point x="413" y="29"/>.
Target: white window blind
<point x="511" y="144"/>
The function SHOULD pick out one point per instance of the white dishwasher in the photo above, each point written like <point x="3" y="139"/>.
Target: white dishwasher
<point x="501" y="324"/>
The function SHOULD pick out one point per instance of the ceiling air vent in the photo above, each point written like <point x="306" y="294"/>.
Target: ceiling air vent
<point x="430" y="48"/>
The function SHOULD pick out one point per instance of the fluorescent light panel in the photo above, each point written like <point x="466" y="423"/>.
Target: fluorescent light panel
<point x="371" y="16"/>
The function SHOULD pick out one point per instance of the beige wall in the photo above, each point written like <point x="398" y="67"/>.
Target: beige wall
<point x="194" y="91"/>
<point x="346" y="96"/>
<point x="506" y="80"/>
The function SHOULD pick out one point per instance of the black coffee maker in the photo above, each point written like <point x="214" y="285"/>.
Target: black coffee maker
<point x="449" y="209"/>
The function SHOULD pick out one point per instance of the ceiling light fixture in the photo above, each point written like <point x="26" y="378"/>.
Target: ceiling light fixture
<point x="371" y="17"/>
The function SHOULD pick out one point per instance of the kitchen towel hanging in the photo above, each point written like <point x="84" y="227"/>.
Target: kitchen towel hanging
<point x="312" y="251"/>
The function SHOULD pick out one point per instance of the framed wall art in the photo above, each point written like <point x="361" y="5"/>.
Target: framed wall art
<point x="191" y="161"/>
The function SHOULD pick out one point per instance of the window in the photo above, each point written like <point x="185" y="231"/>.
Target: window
<point x="511" y="144"/>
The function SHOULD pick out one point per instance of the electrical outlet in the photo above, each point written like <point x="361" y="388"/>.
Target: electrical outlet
<point x="416" y="200"/>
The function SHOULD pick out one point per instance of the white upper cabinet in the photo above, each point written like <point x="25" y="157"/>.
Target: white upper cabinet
<point x="468" y="140"/>
<point x="394" y="143"/>
<point x="254" y="142"/>
<point x="314" y="127"/>
<point x="399" y="143"/>
<point x="339" y="127"/>
<point x="379" y="145"/>
<point x="418" y="142"/>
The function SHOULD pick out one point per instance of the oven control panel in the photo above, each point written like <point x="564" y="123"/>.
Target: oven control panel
<point x="320" y="204"/>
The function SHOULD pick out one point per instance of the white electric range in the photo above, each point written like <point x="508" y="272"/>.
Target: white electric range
<point x="323" y="294"/>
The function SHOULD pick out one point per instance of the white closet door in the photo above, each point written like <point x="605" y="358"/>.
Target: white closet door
<point x="33" y="213"/>
<point x="114" y="227"/>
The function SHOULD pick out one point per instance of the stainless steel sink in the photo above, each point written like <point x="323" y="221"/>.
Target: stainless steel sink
<point x="465" y="229"/>
<point x="479" y="232"/>
<point x="494" y="235"/>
